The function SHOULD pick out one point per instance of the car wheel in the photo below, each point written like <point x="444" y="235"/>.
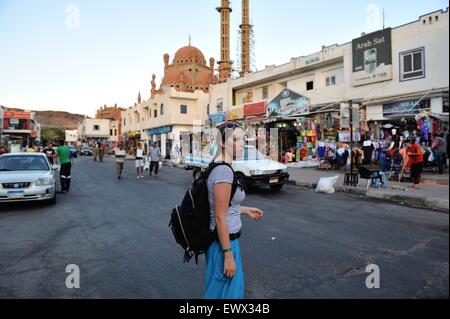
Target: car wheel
<point x="53" y="200"/>
<point x="241" y="180"/>
<point x="276" y="188"/>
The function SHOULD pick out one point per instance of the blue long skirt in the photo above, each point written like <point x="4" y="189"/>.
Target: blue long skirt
<point x="218" y="286"/>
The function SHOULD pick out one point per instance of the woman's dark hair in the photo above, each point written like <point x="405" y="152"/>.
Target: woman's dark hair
<point x="221" y="136"/>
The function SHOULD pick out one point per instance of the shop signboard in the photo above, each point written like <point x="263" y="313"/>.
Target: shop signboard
<point x="235" y="114"/>
<point x="218" y="118"/>
<point x="160" y="130"/>
<point x="255" y="109"/>
<point x="17" y="115"/>
<point x="344" y="116"/>
<point x="404" y="108"/>
<point x="288" y="103"/>
<point x="372" y="58"/>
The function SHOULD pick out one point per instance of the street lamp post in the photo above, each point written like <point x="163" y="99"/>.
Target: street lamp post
<point x="351" y="178"/>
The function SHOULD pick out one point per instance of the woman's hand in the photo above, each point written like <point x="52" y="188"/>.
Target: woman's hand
<point x="253" y="213"/>
<point x="229" y="268"/>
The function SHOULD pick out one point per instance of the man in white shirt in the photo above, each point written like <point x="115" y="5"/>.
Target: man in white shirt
<point x="140" y="161"/>
<point x="120" y="155"/>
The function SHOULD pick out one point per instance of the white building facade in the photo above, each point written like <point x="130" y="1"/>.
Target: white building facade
<point x="395" y="76"/>
<point x="98" y="130"/>
<point x="165" y="117"/>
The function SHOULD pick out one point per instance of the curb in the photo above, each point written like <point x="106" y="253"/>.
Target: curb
<point x="422" y="202"/>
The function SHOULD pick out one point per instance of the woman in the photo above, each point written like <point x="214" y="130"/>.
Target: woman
<point x="415" y="155"/>
<point x="406" y="164"/>
<point x="224" y="274"/>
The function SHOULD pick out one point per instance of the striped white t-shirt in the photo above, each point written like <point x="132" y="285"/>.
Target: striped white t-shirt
<point x="224" y="174"/>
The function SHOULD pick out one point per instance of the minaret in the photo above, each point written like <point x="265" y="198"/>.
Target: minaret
<point x="245" y="38"/>
<point x="139" y="100"/>
<point x="225" y="61"/>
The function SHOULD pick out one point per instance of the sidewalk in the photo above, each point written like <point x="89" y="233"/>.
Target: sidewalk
<point x="433" y="192"/>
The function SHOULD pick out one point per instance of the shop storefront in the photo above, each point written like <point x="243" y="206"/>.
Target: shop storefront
<point x="164" y="137"/>
<point x="132" y="139"/>
<point x="281" y="113"/>
<point x="412" y="117"/>
<point x="216" y="119"/>
<point x="19" y="130"/>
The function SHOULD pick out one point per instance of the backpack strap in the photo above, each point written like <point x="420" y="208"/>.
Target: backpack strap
<point x="234" y="186"/>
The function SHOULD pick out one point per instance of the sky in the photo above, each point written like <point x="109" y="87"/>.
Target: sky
<point x="79" y="55"/>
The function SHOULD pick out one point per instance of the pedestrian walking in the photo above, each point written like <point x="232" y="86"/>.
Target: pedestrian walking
<point x="63" y="154"/>
<point x="139" y="161"/>
<point x="101" y="151"/>
<point x="95" y="151"/>
<point x="224" y="272"/>
<point x="120" y="154"/>
<point x="439" y="146"/>
<point x="154" y="157"/>
<point x="415" y="155"/>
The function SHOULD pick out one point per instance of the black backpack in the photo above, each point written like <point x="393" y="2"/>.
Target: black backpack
<point x="191" y="220"/>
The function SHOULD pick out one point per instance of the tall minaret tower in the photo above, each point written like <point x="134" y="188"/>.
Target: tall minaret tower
<point x="246" y="28"/>
<point x="225" y="61"/>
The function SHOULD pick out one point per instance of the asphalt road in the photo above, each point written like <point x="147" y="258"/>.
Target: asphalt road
<point x="308" y="245"/>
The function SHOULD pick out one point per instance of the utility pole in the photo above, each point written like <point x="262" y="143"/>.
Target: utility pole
<point x="351" y="178"/>
<point x="350" y="107"/>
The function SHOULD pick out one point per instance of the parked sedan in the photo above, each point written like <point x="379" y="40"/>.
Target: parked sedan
<point x="27" y="177"/>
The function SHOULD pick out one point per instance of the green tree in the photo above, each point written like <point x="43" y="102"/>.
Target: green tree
<point x="51" y="135"/>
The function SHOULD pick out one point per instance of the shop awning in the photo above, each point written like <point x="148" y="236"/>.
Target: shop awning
<point x="441" y="117"/>
<point x="325" y="108"/>
<point x="255" y="119"/>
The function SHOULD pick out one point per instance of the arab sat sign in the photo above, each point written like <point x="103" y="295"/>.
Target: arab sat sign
<point x="288" y="103"/>
<point x="372" y="58"/>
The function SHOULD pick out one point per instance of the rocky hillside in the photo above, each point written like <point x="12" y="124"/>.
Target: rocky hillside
<point x="56" y="119"/>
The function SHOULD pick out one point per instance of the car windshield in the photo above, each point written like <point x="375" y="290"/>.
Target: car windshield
<point x="23" y="163"/>
<point x="252" y="154"/>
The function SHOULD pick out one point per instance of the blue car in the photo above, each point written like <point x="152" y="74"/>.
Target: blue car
<point x="73" y="152"/>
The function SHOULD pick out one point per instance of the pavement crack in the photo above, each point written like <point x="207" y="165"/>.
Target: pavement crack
<point x="403" y="252"/>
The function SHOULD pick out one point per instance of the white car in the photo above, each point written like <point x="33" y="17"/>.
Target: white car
<point x="27" y="177"/>
<point x="254" y="169"/>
